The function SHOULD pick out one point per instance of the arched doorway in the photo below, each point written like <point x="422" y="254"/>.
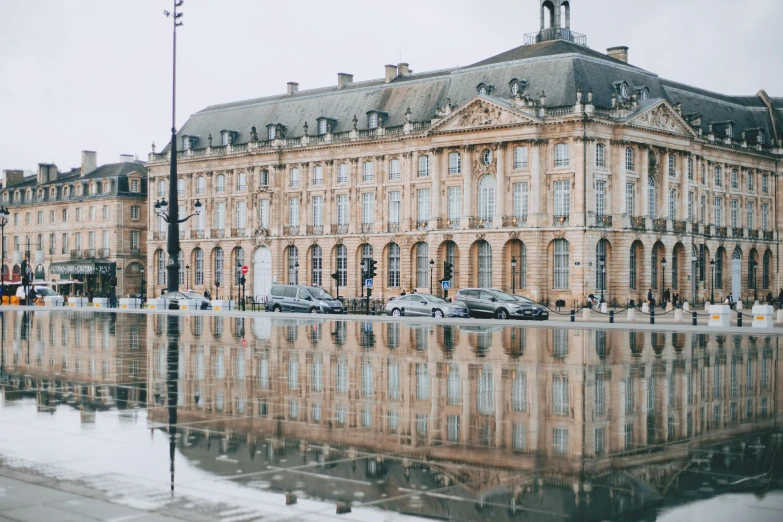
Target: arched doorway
<point x="679" y="269"/>
<point x="481" y="256"/>
<point x="262" y="273"/>
<point x="132" y="276"/>
<point x="658" y="253"/>
<point x="602" y="255"/>
<point x="516" y="252"/>
<point x="736" y="273"/>
<point x="449" y="253"/>
<point x="635" y="279"/>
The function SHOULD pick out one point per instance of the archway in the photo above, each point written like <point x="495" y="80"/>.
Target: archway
<point x="516" y="251"/>
<point x="420" y="258"/>
<point x="658" y="253"/>
<point x="766" y="270"/>
<point x="602" y="266"/>
<point x="363" y="254"/>
<point x="481" y="266"/>
<point x="753" y="268"/>
<point x="636" y="266"/>
<point x="448" y="251"/>
<point x="736" y="273"/>
<point x="679" y="270"/>
<point x="132" y="279"/>
<point x="262" y="273"/>
<point x="720" y="267"/>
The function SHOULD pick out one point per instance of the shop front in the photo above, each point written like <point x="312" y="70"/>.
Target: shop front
<point x="95" y="276"/>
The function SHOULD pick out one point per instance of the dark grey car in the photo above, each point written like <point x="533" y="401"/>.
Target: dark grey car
<point x="491" y="302"/>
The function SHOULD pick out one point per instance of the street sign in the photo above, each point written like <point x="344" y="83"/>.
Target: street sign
<point x="445" y="285"/>
<point x="245" y="269"/>
<point x="368" y="283"/>
<point x="244" y="343"/>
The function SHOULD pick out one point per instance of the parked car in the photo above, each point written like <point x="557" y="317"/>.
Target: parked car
<point x="178" y="297"/>
<point x="483" y="302"/>
<point x="40" y="291"/>
<point x="425" y="305"/>
<point x="299" y="298"/>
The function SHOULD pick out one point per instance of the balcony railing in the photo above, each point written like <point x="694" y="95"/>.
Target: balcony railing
<point x="722" y="232"/>
<point x="560" y="221"/>
<point x="340" y="229"/>
<point x="514" y="221"/>
<point x="52" y="251"/>
<point x="181" y="233"/>
<point x="90" y="253"/>
<point x="680" y="227"/>
<point x="603" y="220"/>
<point x="291" y="230"/>
<point x="479" y="222"/>
<point x="64" y="251"/>
<point x="315" y="230"/>
<point x="159" y="236"/>
<point x="367" y="228"/>
<point x="448" y="224"/>
<point x="196" y="234"/>
<point x="393" y="227"/>
<point x="218" y="233"/>
<point x="237" y="232"/>
<point x="737" y="232"/>
<point x="659" y="225"/>
<point x="104" y="253"/>
<point x="76" y="254"/>
<point x="753" y="234"/>
<point x="638" y="222"/>
<point x="422" y="224"/>
<point x="555" y="33"/>
<point x="135" y="251"/>
<point x="769" y="235"/>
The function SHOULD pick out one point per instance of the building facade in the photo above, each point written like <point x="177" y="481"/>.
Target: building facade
<point x="89" y="223"/>
<point x="586" y="171"/>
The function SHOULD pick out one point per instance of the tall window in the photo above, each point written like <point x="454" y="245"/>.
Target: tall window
<point x="342" y="173"/>
<point x="703" y="209"/>
<point x="718" y="176"/>
<point x="719" y="268"/>
<point x="293" y="260"/>
<point x="200" y="185"/>
<point x="264" y="178"/>
<point x="424" y="166"/>
<point x="342" y="265"/>
<point x="293" y="178"/>
<point x="600" y="155"/>
<point x="560" y="392"/>
<point x="161" y="265"/>
<point x="484" y="264"/>
<point x="263" y="213"/>
<point x="718" y="202"/>
<point x="672" y="170"/>
<point x="562" y="157"/>
<point x="562" y="199"/>
<point x="423" y="198"/>
<point x="520" y="158"/>
<point x="628" y="159"/>
<point x="654" y="267"/>
<point x="766" y="269"/>
<point x="454" y="203"/>
<point x="394" y="169"/>
<point x="451" y="257"/>
<point x="239" y="262"/>
<point x="690" y="206"/>
<point x="318" y="175"/>
<point x="318" y="211"/>
<point x="734" y="213"/>
<point x="422" y="260"/>
<point x="651" y="197"/>
<point x="486" y="197"/>
<point x="220" y="183"/>
<point x="369" y="171"/>
<point x="293" y="212"/>
<point x="455" y="163"/>
<point x="520" y="201"/>
<point x="394" y="207"/>
<point x="765" y="217"/>
<point x="368" y="208"/>
<point x="630" y="206"/>
<point x="316" y="263"/>
<point x="241" y="221"/>
<point x="750" y="214"/>
<point x="219" y="266"/>
<point x="690" y="169"/>
<point x="672" y="206"/>
<point x="220" y="216"/>
<point x="600" y="197"/>
<point x="632" y="268"/>
<point x="135" y="239"/>
<point x="764" y="183"/>
<point x="342" y="209"/>
<point x="394" y="265"/>
<point x="199" y="271"/>
<point x="750" y="181"/>
<point x="561" y="264"/>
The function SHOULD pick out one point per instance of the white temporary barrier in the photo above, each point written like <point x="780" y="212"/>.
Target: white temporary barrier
<point x="720" y="315"/>
<point x="189" y="304"/>
<point x="78" y="302"/>
<point x="222" y="305"/>
<point x="54" y="300"/>
<point x="604" y="308"/>
<point x="158" y="304"/>
<point x="586" y="314"/>
<point x="763" y="316"/>
<point x="100" y="302"/>
<point x="678" y="314"/>
<point x="646" y="308"/>
<point x="686" y="306"/>
<point x="130" y="303"/>
<point x="631" y="314"/>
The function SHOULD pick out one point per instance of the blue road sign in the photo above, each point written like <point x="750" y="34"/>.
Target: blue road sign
<point x="368" y="283"/>
<point x="445" y="285"/>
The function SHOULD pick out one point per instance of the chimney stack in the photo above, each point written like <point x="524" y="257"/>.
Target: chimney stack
<point x="344" y="79"/>
<point x="403" y="69"/>
<point x="127" y="158"/>
<point x="618" y="53"/>
<point x="13" y="177"/>
<point x="293" y="88"/>
<point x="391" y="73"/>
<point x="89" y="161"/>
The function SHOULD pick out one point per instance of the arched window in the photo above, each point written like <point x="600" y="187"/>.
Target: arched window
<point x="199" y="268"/>
<point x="366" y="256"/>
<point x="560" y="263"/>
<point x="316" y="264"/>
<point x="484" y="264"/>
<point x="650" y="197"/>
<point x="219" y="265"/>
<point x="342" y="265"/>
<point x="632" y="268"/>
<point x="600" y="263"/>
<point x="293" y="265"/>
<point x="422" y="254"/>
<point x="394" y="265"/>
<point x="161" y="267"/>
<point x="766" y="269"/>
<point x="239" y="262"/>
<point x="486" y="199"/>
<point x="719" y="255"/>
<point x="752" y="270"/>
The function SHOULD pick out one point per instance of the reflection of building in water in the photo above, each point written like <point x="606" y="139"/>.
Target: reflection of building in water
<point x="84" y="358"/>
<point x="497" y="397"/>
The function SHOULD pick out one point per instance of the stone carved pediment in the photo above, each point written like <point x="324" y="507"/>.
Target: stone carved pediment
<point x="663" y="118"/>
<point x="479" y="114"/>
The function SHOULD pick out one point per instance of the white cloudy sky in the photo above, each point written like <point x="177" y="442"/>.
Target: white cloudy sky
<point x="95" y="74"/>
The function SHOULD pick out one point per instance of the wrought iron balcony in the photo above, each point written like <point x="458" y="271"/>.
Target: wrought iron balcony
<point x="291" y="230"/>
<point x="722" y="232"/>
<point x="753" y="234"/>
<point x="367" y="228"/>
<point x="237" y="232"/>
<point x="479" y="222"/>
<point x="104" y="253"/>
<point x="393" y="227"/>
<point x="561" y="221"/>
<point x="638" y="222"/>
<point x="218" y="233"/>
<point x="135" y="251"/>
<point x="315" y="230"/>
<point x="340" y="229"/>
<point x="448" y="224"/>
<point x="514" y="221"/>
<point x="603" y="220"/>
<point x="737" y="232"/>
<point x="422" y="224"/>
<point x="769" y="235"/>
<point x="52" y="251"/>
<point x="196" y="234"/>
<point x="659" y="225"/>
<point x="159" y="236"/>
<point x="680" y="227"/>
<point x="90" y="253"/>
<point x="76" y="254"/>
<point x="555" y="33"/>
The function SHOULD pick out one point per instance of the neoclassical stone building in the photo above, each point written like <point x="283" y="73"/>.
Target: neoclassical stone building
<point x="552" y="154"/>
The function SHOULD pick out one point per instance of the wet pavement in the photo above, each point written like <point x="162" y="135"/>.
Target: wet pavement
<point x="127" y="416"/>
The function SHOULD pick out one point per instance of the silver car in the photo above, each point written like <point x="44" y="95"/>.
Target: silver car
<point x="177" y="298"/>
<point x="425" y="305"/>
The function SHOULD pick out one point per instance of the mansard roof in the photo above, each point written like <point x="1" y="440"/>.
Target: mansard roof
<point x="557" y="69"/>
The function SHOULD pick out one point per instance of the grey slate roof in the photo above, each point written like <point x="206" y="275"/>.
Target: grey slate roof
<point x="557" y="68"/>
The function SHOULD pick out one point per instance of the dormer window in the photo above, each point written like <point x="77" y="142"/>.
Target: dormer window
<point x="134" y="185"/>
<point x="228" y="137"/>
<point x="17" y="197"/>
<point x="643" y="93"/>
<point x="485" y="89"/>
<point x="322" y="126"/>
<point x="372" y="120"/>
<point x="760" y="137"/>
<point x="93" y="189"/>
<point x="621" y="90"/>
<point x="28" y="196"/>
<point x="270" y="132"/>
<point x="186" y="143"/>
<point x="53" y="193"/>
<point x="517" y="86"/>
<point x="106" y="187"/>
<point x="5" y="197"/>
<point x="40" y="194"/>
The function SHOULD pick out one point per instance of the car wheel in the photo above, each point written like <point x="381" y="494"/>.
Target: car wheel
<point x="502" y="314"/>
<point x="439" y="314"/>
<point x="396" y="312"/>
<point x="314" y="310"/>
<point x="277" y="308"/>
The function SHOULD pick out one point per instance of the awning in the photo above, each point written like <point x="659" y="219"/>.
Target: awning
<point x="82" y="267"/>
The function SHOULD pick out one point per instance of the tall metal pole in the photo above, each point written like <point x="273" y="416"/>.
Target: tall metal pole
<point x="173" y="221"/>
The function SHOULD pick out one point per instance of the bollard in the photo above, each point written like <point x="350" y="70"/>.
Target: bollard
<point x="372" y="312"/>
<point x="611" y="316"/>
<point x="652" y="316"/>
<point x="739" y="319"/>
<point x="402" y="312"/>
<point x="573" y="315"/>
<point x="693" y="318"/>
<point x="433" y="313"/>
<point x="345" y="310"/>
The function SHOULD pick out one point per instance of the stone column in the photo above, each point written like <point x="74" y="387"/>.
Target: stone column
<point x="467" y="190"/>
<point x="500" y="195"/>
<point x="329" y="199"/>
<point x="644" y="173"/>
<point x="537" y="207"/>
<point x="619" y="192"/>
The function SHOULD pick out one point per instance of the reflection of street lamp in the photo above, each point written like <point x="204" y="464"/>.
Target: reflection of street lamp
<point x="513" y="271"/>
<point x="754" y="266"/>
<point x="712" y="281"/>
<point x="663" y="280"/>
<point x="602" y="265"/>
<point x="432" y="268"/>
<point x="187" y="276"/>
<point x="143" y="284"/>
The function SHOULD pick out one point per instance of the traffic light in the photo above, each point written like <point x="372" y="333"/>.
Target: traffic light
<point x="448" y="271"/>
<point x="372" y="272"/>
<point x="336" y="276"/>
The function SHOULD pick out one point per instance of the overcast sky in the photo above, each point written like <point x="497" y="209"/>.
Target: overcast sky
<point x="96" y="74"/>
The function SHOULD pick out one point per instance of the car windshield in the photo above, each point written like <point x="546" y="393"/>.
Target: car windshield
<point x="524" y="299"/>
<point x="503" y="296"/>
<point x="45" y="291"/>
<point x="192" y="295"/>
<point x="319" y="293"/>
<point x="433" y="299"/>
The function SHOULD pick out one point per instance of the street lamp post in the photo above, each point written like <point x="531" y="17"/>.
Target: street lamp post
<point x="296" y="273"/>
<point x="3" y="222"/>
<point x="432" y="268"/>
<point x="143" y="284"/>
<point x="513" y="274"/>
<point x="754" y="265"/>
<point x="663" y="281"/>
<point x="187" y="277"/>
<point x="712" y="281"/>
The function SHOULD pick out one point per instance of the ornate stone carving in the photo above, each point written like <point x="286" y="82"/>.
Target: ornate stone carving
<point x="314" y="242"/>
<point x="448" y="237"/>
<point x="446" y="109"/>
<point x="513" y="235"/>
<point x="421" y="238"/>
<point x="558" y="234"/>
<point x="291" y="242"/>
<point x="604" y="235"/>
<point x="480" y="237"/>
<point x="363" y="240"/>
<point x="338" y="241"/>
<point x="660" y="118"/>
<point x="481" y="114"/>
